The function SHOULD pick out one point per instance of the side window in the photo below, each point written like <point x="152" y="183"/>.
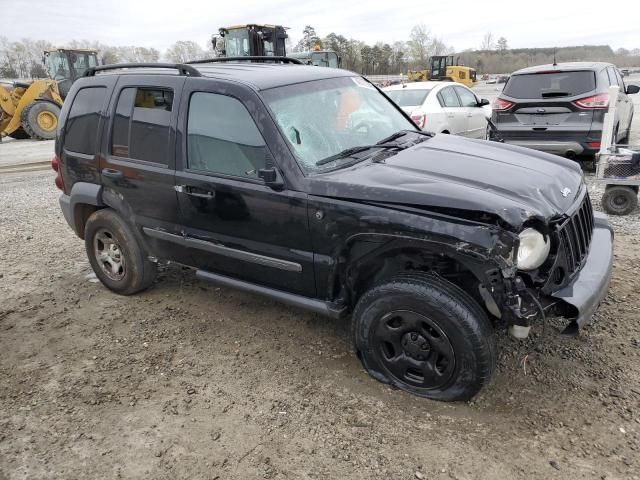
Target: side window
<point x="81" y="129"/>
<point x="222" y="137"/>
<point x="141" y="125"/>
<point x="467" y="97"/>
<point x="448" y="97"/>
<point x="612" y="76"/>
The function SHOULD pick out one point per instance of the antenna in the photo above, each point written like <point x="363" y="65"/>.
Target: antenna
<point x="554" y="57"/>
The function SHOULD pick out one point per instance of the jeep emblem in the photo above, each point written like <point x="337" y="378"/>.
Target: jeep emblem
<point x="565" y="192"/>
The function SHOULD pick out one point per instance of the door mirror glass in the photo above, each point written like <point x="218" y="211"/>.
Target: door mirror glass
<point x="633" y="89"/>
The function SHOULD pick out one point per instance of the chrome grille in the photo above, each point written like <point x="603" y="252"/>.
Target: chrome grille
<point x="575" y="235"/>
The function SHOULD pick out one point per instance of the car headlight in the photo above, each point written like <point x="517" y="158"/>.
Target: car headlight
<point x="533" y="249"/>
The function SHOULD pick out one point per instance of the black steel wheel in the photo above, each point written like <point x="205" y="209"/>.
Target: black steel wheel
<point x="619" y="200"/>
<point x="422" y="334"/>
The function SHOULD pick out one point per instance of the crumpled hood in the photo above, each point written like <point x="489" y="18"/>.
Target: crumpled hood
<point x="446" y="171"/>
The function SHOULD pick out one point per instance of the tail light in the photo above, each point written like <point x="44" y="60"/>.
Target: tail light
<point x="55" y="165"/>
<point x="419" y="119"/>
<point x="500" y="105"/>
<point x="594" y="102"/>
<point x="594" y="144"/>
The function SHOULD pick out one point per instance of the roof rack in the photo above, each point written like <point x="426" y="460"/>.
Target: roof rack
<point x="250" y="59"/>
<point x="181" y="67"/>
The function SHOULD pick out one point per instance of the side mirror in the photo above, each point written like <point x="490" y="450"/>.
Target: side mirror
<point x="483" y="102"/>
<point x="631" y="89"/>
<point x="271" y="178"/>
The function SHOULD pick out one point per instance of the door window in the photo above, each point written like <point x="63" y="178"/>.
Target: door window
<point x="81" y="128"/>
<point x="222" y="137"/>
<point x="612" y="77"/>
<point x="467" y="98"/>
<point x="448" y="98"/>
<point x="141" y="125"/>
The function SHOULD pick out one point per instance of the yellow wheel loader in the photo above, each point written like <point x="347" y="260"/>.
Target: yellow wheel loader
<point x="31" y="109"/>
<point x="447" y="68"/>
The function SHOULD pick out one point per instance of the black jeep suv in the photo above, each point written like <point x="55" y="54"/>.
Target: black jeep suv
<point x="310" y="186"/>
<point x="560" y="108"/>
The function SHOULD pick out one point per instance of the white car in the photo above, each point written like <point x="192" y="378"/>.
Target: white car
<point x="443" y="107"/>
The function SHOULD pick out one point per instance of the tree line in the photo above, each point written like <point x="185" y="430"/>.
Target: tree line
<point x="23" y="59"/>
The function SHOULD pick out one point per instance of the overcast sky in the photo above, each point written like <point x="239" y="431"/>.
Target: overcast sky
<point x="460" y="23"/>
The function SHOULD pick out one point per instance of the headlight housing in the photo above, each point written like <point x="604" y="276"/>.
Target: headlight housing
<point x="533" y="249"/>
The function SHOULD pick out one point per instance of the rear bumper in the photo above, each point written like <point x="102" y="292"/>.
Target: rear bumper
<point x="549" y="146"/>
<point x="590" y="286"/>
<point x="65" y="206"/>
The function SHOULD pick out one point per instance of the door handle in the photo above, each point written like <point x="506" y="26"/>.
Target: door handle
<point x="195" y="191"/>
<point x="450" y="115"/>
<point x="111" y="173"/>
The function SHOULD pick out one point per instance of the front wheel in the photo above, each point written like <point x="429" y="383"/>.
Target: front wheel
<point x="40" y="120"/>
<point x="422" y="334"/>
<point x="116" y="256"/>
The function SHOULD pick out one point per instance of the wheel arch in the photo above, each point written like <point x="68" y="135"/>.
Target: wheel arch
<point x="368" y="259"/>
<point x="85" y="198"/>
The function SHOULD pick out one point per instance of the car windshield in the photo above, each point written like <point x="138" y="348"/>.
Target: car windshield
<point x="408" y="97"/>
<point x="322" y="118"/>
<point x="548" y="85"/>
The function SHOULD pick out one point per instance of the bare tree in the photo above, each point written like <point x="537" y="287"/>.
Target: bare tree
<point x="502" y="44"/>
<point x="487" y="42"/>
<point x="183" y="51"/>
<point x="419" y="44"/>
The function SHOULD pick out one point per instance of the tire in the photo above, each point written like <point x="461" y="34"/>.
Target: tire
<point x="19" y="134"/>
<point x="396" y="325"/>
<point x="115" y="254"/>
<point x="619" y="200"/>
<point x="40" y="120"/>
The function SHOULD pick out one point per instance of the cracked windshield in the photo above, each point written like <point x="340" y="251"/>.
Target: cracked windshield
<point x="325" y="117"/>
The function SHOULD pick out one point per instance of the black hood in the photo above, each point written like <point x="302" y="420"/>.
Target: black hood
<point x="445" y="171"/>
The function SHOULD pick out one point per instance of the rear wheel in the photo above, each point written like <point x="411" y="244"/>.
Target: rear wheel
<point x="116" y="256"/>
<point x="619" y="200"/>
<point x="426" y="336"/>
<point x="40" y="120"/>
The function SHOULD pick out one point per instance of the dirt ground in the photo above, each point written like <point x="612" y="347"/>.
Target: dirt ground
<point x="191" y="381"/>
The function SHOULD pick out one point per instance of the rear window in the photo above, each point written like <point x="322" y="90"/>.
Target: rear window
<point x="550" y="85"/>
<point x="81" y="128"/>
<point x="408" y="97"/>
<point x="142" y="124"/>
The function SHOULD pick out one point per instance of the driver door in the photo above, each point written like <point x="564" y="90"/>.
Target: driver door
<point x="234" y="224"/>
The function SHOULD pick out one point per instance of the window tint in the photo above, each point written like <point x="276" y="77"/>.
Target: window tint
<point x="81" y="129"/>
<point x="222" y="137"/>
<point x="550" y="85"/>
<point x="141" y="125"/>
<point x="467" y="98"/>
<point x="448" y="98"/>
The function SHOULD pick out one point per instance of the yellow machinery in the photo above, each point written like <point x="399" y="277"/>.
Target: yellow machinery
<point x="254" y="40"/>
<point x="445" y="67"/>
<point x="31" y="109"/>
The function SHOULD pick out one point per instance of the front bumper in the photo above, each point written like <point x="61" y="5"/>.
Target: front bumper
<point x="591" y="284"/>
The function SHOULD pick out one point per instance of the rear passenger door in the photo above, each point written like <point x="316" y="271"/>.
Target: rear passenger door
<point x="138" y="166"/>
<point x="456" y="118"/>
<point x="234" y="224"/>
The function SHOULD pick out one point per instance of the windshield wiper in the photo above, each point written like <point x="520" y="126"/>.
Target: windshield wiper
<point x="349" y="152"/>
<point x="402" y="133"/>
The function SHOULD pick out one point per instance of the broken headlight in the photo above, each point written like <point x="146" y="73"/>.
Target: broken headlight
<point x="533" y="249"/>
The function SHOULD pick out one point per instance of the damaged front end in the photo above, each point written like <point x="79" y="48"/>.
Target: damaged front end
<point x="574" y="278"/>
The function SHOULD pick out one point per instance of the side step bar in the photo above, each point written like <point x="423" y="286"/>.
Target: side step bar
<point x="313" y="305"/>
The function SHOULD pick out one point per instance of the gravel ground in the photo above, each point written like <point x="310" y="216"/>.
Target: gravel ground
<point x="188" y="380"/>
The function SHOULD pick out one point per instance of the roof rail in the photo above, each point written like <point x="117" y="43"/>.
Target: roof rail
<point x="250" y="59"/>
<point x="181" y="67"/>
